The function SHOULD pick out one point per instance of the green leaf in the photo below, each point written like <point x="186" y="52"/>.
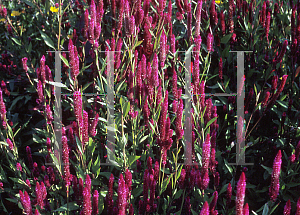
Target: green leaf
<point x="71" y="207"/>
<point x="178" y="194"/>
<point x="210" y="122"/>
<point x="132" y="159"/>
<point x="47" y="40"/>
<point x="226" y="38"/>
<point x="165" y="184"/>
<point x="96" y="165"/>
<point x="56" y="84"/>
<point x="64" y="60"/>
<point x="29" y="3"/>
<point x="79" y="145"/>
<point x="266" y="209"/>
<point x="270" y="170"/>
<point x="16" y="41"/>
<point x="126" y="109"/>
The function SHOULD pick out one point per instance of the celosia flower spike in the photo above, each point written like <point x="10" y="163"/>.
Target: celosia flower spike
<point x="240" y="194"/>
<point x="274" y="188"/>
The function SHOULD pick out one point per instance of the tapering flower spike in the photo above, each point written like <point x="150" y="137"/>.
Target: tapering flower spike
<point x="84" y="128"/>
<point x="155" y="78"/>
<point x="213" y="203"/>
<point x="298" y="207"/>
<point x="108" y="199"/>
<point x="287" y="208"/>
<point x="283" y="50"/>
<point x="246" y="209"/>
<point x="198" y="18"/>
<point x="39" y="90"/>
<point x="163" y="43"/>
<point x="221" y="68"/>
<point x="209" y="43"/>
<point x="274" y="188"/>
<point x="240" y="194"/>
<point x="24" y="63"/>
<point x="86" y="208"/>
<point x="122" y="195"/>
<point x="206" y="153"/>
<point x="78" y="106"/>
<point x="86" y="24"/>
<point x="92" y="130"/>
<point x="65" y="158"/>
<point x="49" y="114"/>
<point x="26" y="203"/>
<point x="205" y="209"/>
<point x="279" y="90"/>
<point x="178" y="120"/>
<point x="95" y="203"/>
<point x="43" y="69"/>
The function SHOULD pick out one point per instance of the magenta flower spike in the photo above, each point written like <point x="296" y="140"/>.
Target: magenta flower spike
<point x="222" y="18"/>
<point x="109" y="200"/>
<point x="95" y="203"/>
<point x="36" y="212"/>
<point x="43" y="69"/>
<point x="297" y="151"/>
<point x="274" y="188"/>
<point x="93" y="10"/>
<point x="246" y="209"/>
<point x="128" y="179"/>
<point x="122" y="195"/>
<point x="267" y="29"/>
<point x="49" y="114"/>
<point x="274" y="82"/>
<point x="198" y="18"/>
<point x="162" y="120"/>
<point x="10" y="145"/>
<point x="26" y="203"/>
<point x="155" y="78"/>
<point x="39" y="90"/>
<point x="279" y="90"/>
<point x="209" y="43"/>
<point x="266" y="99"/>
<point x="205" y="209"/>
<point x="206" y="153"/>
<point x="19" y="167"/>
<point x="78" y="106"/>
<point x="86" y="208"/>
<point x="163" y="43"/>
<point x="221" y="68"/>
<point x="213" y="203"/>
<point x="283" y="50"/>
<point x="85" y="131"/>
<point x="143" y="67"/>
<point x="240" y="194"/>
<point x="121" y="12"/>
<point x="179" y="7"/>
<point x="287" y="208"/>
<point x="298" y="207"/>
<point x="91" y="30"/>
<point x="86" y="24"/>
<point x="65" y="158"/>
<point x="24" y="63"/>
<point x="179" y="130"/>
<point x="94" y="125"/>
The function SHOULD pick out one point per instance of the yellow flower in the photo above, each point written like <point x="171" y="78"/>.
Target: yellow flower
<point x="2" y="20"/>
<point x="218" y="2"/>
<point x="54" y="9"/>
<point x="15" y="13"/>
